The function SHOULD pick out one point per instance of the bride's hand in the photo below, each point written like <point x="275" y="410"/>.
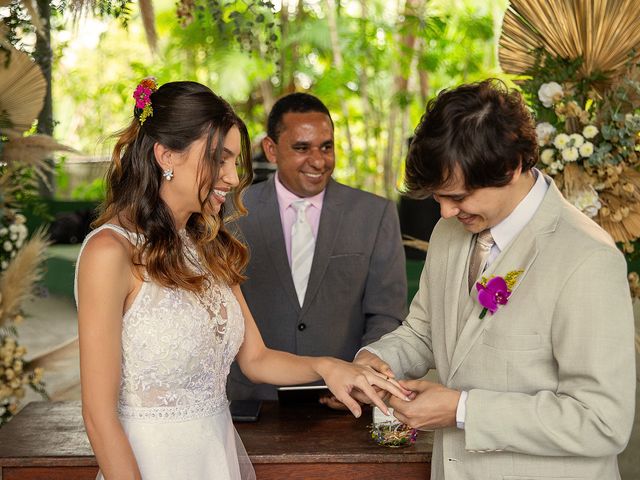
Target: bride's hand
<point x="343" y="378"/>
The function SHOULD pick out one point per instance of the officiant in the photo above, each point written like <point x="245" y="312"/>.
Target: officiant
<point x="523" y="308"/>
<point x="327" y="269"/>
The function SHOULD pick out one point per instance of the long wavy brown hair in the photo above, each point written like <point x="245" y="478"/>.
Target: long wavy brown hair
<point x="183" y="112"/>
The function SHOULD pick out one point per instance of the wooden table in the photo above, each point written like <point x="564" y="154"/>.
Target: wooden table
<point x="47" y="441"/>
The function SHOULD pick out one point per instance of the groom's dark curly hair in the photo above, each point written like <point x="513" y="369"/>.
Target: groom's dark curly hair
<point x="483" y="129"/>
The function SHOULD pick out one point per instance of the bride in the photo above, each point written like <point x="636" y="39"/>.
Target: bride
<point x="161" y="314"/>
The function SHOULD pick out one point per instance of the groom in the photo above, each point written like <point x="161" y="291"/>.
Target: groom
<point x="543" y="387"/>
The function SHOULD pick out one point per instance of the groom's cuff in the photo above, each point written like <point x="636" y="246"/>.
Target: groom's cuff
<point x="461" y="411"/>
<point x="368" y="349"/>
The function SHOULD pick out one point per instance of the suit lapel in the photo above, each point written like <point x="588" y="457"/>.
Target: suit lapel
<point x="456" y="269"/>
<point x="520" y="254"/>
<point x="330" y="225"/>
<point x="271" y="227"/>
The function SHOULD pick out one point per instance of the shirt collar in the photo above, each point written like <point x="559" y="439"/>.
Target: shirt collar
<point x="286" y="197"/>
<point x="511" y="226"/>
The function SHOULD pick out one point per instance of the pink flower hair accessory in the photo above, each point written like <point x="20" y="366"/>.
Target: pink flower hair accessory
<point x="142" y="96"/>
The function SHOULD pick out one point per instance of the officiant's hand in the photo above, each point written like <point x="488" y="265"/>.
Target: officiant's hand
<point x="433" y="405"/>
<point x="332" y="402"/>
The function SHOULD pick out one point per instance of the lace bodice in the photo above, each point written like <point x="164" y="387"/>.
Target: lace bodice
<point x="177" y="348"/>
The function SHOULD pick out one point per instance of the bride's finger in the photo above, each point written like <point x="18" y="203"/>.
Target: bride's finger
<point x="370" y="392"/>
<point x="393" y="381"/>
<point x="390" y="386"/>
<point x="351" y="404"/>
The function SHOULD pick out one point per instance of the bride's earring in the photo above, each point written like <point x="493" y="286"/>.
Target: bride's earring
<point x="168" y="174"/>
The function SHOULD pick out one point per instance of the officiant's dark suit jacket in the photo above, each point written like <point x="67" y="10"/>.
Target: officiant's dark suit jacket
<point x="357" y="288"/>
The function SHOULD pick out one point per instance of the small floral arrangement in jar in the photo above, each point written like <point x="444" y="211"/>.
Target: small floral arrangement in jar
<point x="15" y="377"/>
<point x="393" y="434"/>
<point x="13" y="234"/>
<point x="387" y="431"/>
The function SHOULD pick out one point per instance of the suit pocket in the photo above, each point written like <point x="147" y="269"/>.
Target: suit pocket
<point x="511" y="342"/>
<point x="345" y="255"/>
<point x="529" y="363"/>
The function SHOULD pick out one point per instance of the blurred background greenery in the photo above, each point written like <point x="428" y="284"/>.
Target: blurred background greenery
<point x="374" y="63"/>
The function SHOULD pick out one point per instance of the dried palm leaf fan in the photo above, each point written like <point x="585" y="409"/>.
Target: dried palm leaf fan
<point x="32" y="151"/>
<point x="22" y="90"/>
<point x="602" y="32"/>
<point x="414" y="242"/>
<point x="3" y="37"/>
<point x="621" y="217"/>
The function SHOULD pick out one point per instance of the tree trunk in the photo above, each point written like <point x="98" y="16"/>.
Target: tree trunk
<point x="364" y="86"/>
<point x="288" y="55"/>
<point x="337" y="62"/>
<point x="44" y="58"/>
<point x="266" y="90"/>
<point x="401" y="81"/>
<point x="387" y="164"/>
<point x="404" y="124"/>
<point x="284" y="27"/>
<point x="423" y="77"/>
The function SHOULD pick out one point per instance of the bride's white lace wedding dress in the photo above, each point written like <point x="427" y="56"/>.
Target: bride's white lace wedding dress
<point x="177" y="348"/>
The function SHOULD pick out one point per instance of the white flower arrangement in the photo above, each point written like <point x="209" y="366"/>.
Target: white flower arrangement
<point x="544" y="132"/>
<point x="550" y="93"/>
<point x="556" y="167"/>
<point x="578" y="143"/>
<point x="547" y="156"/>
<point x="576" y="140"/>
<point x="13" y="377"/>
<point x="570" y="154"/>
<point x="586" y="150"/>
<point x="564" y="148"/>
<point x="13" y="234"/>
<point x="587" y="201"/>
<point x="561" y="141"/>
<point x="590" y="131"/>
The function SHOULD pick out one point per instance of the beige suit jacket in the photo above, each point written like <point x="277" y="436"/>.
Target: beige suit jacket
<point x="551" y="375"/>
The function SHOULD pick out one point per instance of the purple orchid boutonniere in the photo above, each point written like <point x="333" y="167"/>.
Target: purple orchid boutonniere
<point x="496" y="291"/>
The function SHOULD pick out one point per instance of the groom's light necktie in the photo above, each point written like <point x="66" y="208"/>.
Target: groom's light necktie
<point x="302" y="247"/>
<point x="484" y="243"/>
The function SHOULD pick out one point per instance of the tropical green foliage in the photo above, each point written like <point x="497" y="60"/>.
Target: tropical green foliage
<point x="375" y="64"/>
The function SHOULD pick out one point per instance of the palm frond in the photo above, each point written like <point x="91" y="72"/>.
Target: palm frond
<point x="22" y="90"/>
<point x="24" y="270"/>
<point x="31" y="150"/>
<point x="416" y="243"/>
<point x="602" y="32"/>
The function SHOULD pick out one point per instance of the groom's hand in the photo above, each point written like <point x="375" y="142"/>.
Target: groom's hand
<point x="368" y="359"/>
<point x="434" y="405"/>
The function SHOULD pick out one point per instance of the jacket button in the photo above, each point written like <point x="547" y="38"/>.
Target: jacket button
<point x="301" y="326"/>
